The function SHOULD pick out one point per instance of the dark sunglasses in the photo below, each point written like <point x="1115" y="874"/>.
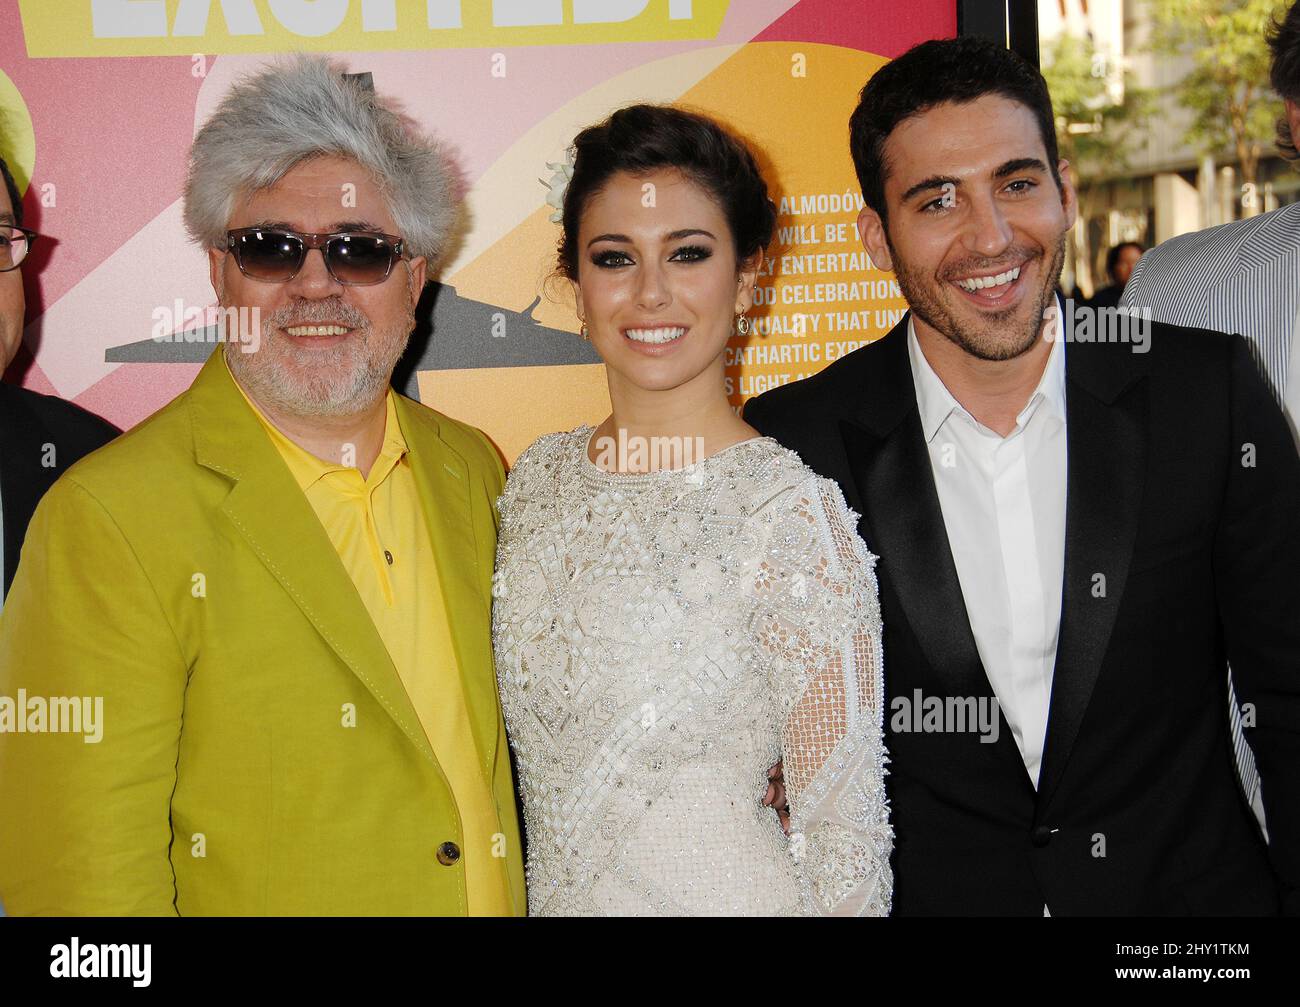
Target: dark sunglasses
<point x="15" y="243"/>
<point x="274" y="255"/>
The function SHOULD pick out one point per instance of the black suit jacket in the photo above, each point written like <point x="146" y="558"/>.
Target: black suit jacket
<point x="40" y="438"/>
<point x="1184" y="494"/>
<point x="1106" y="297"/>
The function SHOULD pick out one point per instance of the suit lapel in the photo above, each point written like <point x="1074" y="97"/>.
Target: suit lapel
<point x="443" y="479"/>
<point x="902" y="518"/>
<point x="271" y="513"/>
<point x="1107" y="432"/>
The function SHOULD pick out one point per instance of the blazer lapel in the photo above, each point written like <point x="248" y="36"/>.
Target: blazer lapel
<point x="445" y="487"/>
<point x="1106" y="433"/>
<point x="902" y="519"/>
<point x="271" y="513"/>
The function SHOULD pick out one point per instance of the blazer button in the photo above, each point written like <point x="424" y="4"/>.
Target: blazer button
<point x="1041" y="836"/>
<point x="448" y="854"/>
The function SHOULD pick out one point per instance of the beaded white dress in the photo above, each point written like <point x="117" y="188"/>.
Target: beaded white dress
<point x="661" y="640"/>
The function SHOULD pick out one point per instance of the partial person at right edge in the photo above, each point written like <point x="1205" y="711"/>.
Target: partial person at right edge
<point x="1243" y="276"/>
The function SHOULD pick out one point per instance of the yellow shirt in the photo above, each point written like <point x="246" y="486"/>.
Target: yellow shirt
<point x="377" y="527"/>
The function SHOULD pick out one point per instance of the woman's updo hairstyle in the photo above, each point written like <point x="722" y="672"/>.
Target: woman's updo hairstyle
<point x="643" y="138"/>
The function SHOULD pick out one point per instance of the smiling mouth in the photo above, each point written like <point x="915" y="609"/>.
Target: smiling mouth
<point x="656" y="336"/>
<point x="994" y="290"/>
<point x="974" y="283"/>
<point x="316" y="331"/>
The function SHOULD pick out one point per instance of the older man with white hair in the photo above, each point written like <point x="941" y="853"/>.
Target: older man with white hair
<point x="277" y="588"/>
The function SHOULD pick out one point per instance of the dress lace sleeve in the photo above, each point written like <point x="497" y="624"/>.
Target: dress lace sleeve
<point x="818" y="628"/>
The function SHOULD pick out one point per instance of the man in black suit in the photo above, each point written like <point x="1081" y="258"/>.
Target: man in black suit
<point x="1074" y="535"/>
<point x="40" y="436"/>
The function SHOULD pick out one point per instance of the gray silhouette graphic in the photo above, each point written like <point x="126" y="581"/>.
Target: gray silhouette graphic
<point x="451" y="333"/>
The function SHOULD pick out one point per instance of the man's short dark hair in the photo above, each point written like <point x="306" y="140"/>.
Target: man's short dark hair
<point x="944" y="70"/>
<point x="1284" y="39"/>
<point x="11" y="187"/>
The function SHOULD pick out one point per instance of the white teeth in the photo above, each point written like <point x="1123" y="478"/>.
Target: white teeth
<point x="974" y="283"/>
<point x="654" y="335"/>
<point x="316" y="330"/>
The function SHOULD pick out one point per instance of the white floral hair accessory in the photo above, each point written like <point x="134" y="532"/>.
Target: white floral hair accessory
<point x="559" y="182"/>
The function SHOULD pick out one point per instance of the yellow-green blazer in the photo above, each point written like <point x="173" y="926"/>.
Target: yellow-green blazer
<point x="181" y="575"/>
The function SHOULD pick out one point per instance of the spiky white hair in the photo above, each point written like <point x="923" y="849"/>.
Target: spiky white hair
<point x="306" y="107"/>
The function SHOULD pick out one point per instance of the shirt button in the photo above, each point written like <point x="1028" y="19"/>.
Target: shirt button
<point x="448" y="854"/>
<point x="388" y="556"/>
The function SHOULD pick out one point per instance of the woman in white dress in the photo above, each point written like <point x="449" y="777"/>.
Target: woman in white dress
<point x="680" y="602"/>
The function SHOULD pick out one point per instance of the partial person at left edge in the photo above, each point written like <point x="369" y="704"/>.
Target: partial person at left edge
<point x="40" y="435"/>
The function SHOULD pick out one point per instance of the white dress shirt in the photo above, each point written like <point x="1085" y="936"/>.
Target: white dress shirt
<point x="1003" y="502"/>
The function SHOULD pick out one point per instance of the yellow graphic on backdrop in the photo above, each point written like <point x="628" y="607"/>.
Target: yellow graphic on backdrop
<point x="17" y="138"/>
<point x="184" y="27"/>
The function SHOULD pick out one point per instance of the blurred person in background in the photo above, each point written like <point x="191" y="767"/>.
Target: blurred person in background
<point x="1120" y="261"/>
